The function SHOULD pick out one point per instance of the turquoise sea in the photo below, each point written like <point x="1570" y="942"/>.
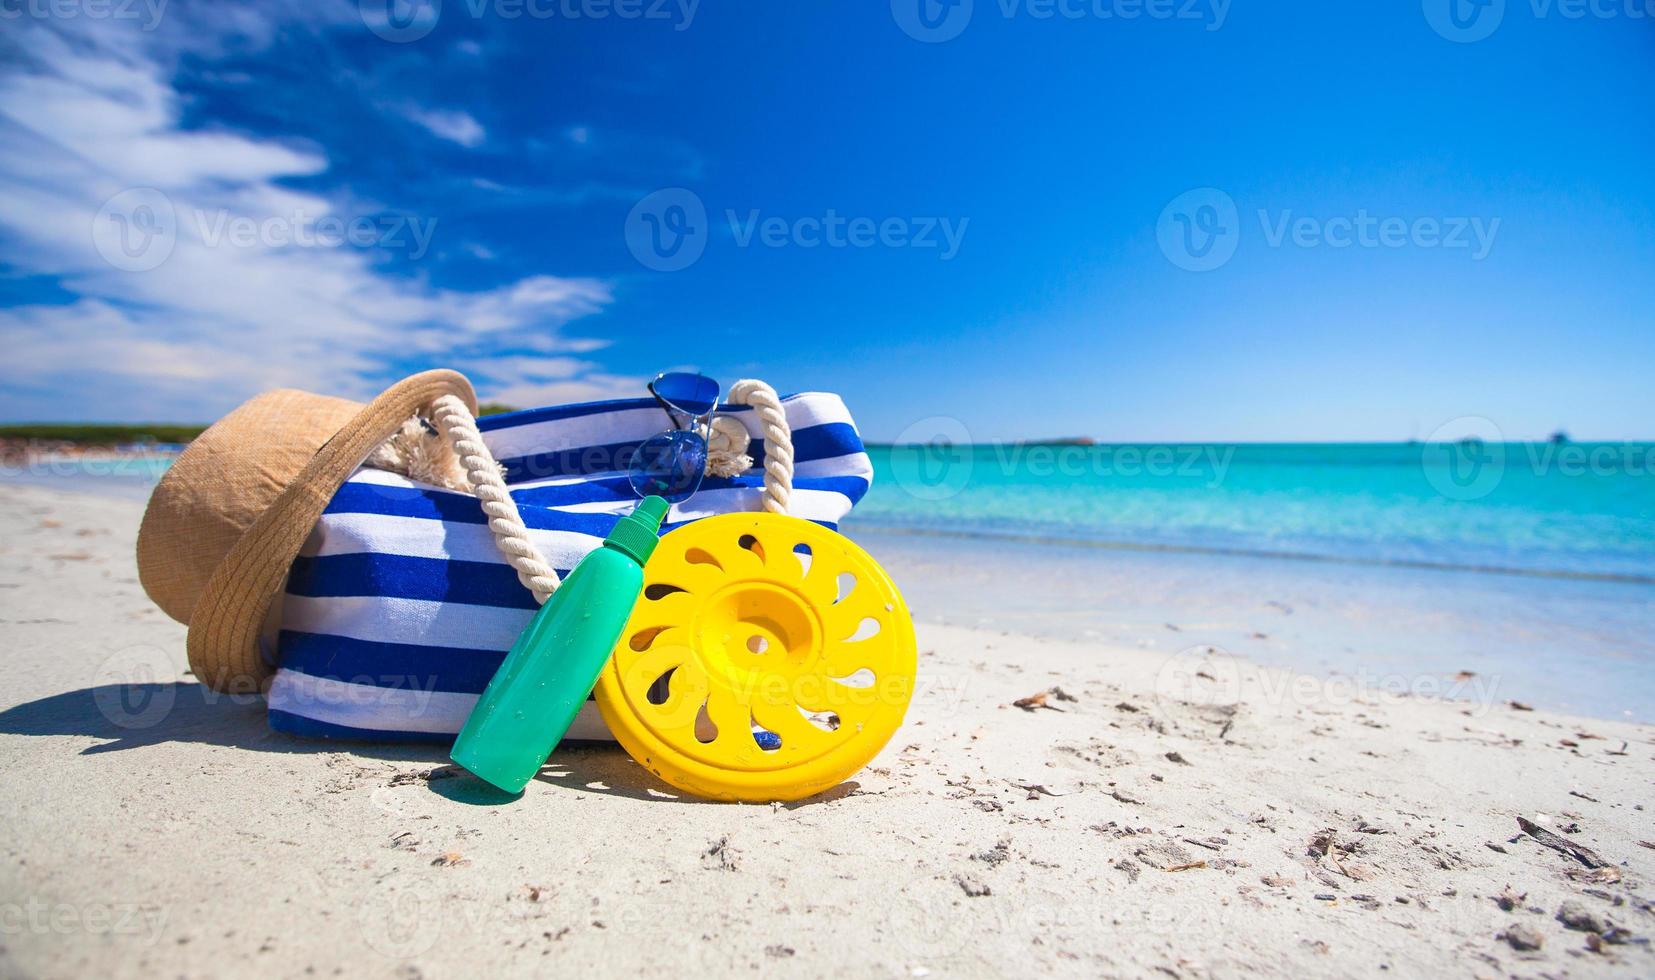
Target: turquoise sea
<point x="1571" y="510"/>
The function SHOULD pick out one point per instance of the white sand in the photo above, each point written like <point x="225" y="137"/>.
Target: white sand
<point x="986" y="839"/>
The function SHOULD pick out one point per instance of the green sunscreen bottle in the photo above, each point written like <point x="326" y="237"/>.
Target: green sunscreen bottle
<point x="555" y="662"/>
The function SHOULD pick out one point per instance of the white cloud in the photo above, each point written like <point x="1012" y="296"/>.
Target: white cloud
<point x="592" y="387"/>
<point x="449" y="124"/>
<point x="214" y="320"/>
<point x="41" y="339"/>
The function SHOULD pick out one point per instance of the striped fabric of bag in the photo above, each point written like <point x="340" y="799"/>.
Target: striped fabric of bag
<point x="399" y="609"/>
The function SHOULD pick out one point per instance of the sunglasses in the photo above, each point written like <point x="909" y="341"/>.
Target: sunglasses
<point x="672" y="463"/>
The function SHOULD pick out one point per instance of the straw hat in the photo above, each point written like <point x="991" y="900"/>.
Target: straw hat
<point x="230" y="515"/>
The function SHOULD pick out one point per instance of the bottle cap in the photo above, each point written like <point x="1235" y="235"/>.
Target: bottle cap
<point x="635" y="535"/>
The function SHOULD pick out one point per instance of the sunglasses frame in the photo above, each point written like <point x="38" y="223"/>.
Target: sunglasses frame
<point x="673" y="409"/>
<point x="702" y="429"/>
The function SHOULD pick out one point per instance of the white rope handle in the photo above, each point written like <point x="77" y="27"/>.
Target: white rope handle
<point x="778" y="440"/>
<point x="459" y="429"/>
<point x="511" y="535"/>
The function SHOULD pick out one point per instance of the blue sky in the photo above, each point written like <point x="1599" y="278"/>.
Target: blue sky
<point x="1395" y="222"/>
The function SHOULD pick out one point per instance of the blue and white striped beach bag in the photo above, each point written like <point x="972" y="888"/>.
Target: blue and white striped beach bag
<point x="400" y="607"/>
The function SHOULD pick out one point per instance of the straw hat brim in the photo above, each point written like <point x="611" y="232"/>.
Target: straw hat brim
<point x="226" y="624"/>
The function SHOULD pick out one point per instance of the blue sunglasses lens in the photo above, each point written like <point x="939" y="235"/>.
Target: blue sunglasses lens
<point x="669" y="465"/>
<point x="693" y="394"/>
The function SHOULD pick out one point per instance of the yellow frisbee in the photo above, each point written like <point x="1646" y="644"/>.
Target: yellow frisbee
<point x="769" y="658"/>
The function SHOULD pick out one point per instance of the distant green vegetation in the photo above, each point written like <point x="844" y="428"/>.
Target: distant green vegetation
<point x="494" y="408"/>
<point x="98" y="434"/>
